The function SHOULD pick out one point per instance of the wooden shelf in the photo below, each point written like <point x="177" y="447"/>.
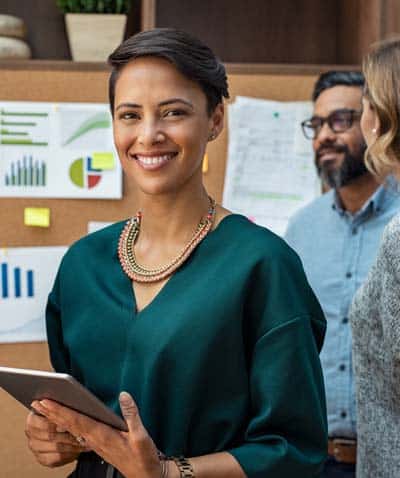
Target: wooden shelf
<point x="231" y="68"/>
<point x="289" y="31"/>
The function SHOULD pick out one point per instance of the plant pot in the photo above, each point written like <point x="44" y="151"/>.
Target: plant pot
<point x="92" y="37"/>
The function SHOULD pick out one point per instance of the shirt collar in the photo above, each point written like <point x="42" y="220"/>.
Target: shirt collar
<point x="376" y="203"/>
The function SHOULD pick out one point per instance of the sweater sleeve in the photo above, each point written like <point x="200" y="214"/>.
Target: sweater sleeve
<point x="375" y="311"/>
<point x="286" y="434"/>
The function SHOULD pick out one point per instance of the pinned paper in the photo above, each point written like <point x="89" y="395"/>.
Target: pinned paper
<point x="103" y="161"/>
<point x="94" y="226"/>
<point x="26" y="276"/>
<point x="205" y="164"/>
<point x="37" y="216"/>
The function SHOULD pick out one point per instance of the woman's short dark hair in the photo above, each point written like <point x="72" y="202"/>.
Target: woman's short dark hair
<point x="190" y="56"/>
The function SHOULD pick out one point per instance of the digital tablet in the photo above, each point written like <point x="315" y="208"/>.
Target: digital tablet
<point x="27" y="385"/>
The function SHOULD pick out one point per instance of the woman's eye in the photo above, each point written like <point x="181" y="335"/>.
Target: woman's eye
<point x="174" y="113"/>
<point x="129" y="116"/>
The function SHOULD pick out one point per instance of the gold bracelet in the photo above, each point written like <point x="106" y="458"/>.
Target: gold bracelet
<point x="184" y="467"/>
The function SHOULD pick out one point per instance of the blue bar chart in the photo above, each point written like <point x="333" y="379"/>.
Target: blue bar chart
<point x="26" y="172"/>
<point x="27" y="276"/>
<point x="12" y="282"/>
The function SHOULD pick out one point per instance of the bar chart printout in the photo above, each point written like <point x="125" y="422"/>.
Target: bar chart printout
<point x="11" y="282"/>
<point x="26" y="172"/>
<point x="27" y="276"/>
<point x="46" y="151"/>
<point x="19" y="127"/>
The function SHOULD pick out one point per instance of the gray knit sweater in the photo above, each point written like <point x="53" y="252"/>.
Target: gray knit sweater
<point x="375" y="319"/>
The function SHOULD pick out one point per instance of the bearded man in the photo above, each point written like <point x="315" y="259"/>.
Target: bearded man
<point x="337" y="238"/>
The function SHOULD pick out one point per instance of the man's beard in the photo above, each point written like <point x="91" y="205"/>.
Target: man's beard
<point x="351" y="168"/>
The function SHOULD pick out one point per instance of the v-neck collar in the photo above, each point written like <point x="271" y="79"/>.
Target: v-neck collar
<point x="130" y="299"/>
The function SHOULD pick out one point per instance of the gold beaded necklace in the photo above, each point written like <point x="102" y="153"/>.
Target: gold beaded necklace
<point x="137" y="272"/>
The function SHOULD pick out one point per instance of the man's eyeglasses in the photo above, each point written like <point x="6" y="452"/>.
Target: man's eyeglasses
<point x="338" y="121"/>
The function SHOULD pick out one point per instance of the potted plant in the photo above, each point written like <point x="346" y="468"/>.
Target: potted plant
<point x="94" y="27"/>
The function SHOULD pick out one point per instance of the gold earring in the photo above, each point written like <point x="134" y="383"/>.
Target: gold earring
<point x="211" y="137"/>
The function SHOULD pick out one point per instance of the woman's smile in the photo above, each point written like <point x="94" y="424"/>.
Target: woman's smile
<point x="153" y="161"/>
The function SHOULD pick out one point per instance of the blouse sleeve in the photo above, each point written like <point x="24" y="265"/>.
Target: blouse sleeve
<point x="59" y="356"/>
<point x="286" y="435"/>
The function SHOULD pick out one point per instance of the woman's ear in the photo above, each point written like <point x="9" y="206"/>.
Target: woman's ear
<point x="377" y="124"/>
<point x="217" y="121"/>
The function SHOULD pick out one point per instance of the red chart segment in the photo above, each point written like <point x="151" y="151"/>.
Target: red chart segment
<point x="83" y="175"/>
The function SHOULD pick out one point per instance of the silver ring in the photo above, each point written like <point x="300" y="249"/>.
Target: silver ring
<point x="80" y="440"/>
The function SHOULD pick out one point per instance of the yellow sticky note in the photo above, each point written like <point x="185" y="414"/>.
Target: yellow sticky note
<point x="103" y="161"/>
<point x="205" y="164"/>
<point x="37" y="216"/>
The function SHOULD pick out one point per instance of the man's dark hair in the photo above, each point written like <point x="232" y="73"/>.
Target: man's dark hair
<point x="335" y="78"/>
<point x="190" y="56"/>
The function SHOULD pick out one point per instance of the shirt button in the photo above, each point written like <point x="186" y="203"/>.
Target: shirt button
<point x="342" y="368"/>
<point x="348" y="274"/>
<point x="343" y="414"/>
<point x="345" y="320"/>
<point x="354" y="231"/>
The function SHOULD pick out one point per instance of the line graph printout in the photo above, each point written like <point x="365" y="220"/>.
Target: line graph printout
<point x="46" y="150"/>
<point x="270" y="170"/>
<point x="26" y="278"/>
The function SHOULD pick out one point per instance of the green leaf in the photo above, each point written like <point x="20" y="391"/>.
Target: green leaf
<point x="94" y="6"/>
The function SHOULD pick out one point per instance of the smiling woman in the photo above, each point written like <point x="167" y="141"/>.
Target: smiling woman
<point x="161" y="126"/>
<point x="203" y="320"/>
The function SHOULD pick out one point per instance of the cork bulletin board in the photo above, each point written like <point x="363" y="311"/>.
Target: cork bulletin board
<point x="69" y="82"/>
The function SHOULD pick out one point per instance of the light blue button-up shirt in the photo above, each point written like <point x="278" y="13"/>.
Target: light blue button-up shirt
<point x="337" y="250"/>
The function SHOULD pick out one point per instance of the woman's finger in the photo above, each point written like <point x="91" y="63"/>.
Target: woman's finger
<point x="55" y="458"/>
<point x="130" y="412"/>
<point x="96" y="435"/>
<point x="44" y="446"/>
<point x="35" y="421"/>
<point x="51" y="435"/>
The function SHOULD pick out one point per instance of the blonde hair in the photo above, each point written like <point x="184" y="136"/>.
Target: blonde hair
<point x="381" y="69"/>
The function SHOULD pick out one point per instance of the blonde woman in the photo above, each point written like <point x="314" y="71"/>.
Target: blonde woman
<point x="375" y="314"/>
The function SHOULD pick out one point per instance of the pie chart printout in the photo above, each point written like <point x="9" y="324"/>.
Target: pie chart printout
<point x="83" y="175"/>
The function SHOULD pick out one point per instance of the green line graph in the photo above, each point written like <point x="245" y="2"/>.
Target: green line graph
<point x="97" y="121"/>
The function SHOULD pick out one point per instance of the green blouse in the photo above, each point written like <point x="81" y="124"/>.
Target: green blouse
<point x="224" y="358"/>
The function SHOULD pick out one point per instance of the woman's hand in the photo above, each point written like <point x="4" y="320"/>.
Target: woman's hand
<point x="50" y="446"/>
<point x="133" y="453"/>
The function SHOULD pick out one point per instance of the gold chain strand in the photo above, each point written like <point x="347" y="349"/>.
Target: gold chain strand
<point x="139" y="273"/>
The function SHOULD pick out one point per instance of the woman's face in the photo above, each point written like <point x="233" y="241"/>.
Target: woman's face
<point x="369" y="122"/>
<point x="161" y="126"/>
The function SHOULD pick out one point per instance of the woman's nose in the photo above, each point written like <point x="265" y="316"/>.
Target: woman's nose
<point x="150" y="133"/>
